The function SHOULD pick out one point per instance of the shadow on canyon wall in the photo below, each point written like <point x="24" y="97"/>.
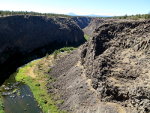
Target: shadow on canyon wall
<point x="24" y="38"/>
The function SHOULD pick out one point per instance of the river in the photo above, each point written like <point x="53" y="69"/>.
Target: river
<point x="18" y="98"/>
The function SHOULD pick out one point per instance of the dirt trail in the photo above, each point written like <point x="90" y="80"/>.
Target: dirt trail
<point x="31" y="72"/>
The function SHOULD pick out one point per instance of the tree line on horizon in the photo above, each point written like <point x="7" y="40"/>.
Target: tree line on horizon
<point x="135" y="17"/>
<point x="12" y="13"/>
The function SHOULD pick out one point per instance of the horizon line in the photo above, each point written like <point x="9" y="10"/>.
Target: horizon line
<point x="75" y="14"/>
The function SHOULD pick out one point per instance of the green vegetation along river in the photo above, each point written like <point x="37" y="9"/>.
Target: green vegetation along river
<point x="26" y="92"/>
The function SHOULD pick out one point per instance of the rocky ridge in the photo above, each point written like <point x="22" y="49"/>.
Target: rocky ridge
<point x="109" y="73"/>
<point x="82" y="22"/>
<point x="96" y="23"/>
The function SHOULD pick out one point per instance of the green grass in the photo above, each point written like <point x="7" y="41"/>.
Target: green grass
<point x="1" y="105"/>
<point x="86" y="37"/>
<point x="38" y="88"/>
<point x="47" y="102"/>
<point x="65" y="49"/>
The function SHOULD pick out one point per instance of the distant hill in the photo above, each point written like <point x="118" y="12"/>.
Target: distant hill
<point x="90" y="15"/>
<point x="94" y="15"/>
<point x="72" y="14"/>
<point x="31" y="13"/>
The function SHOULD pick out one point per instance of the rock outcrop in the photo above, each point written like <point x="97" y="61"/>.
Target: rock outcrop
<point x="96" y="23"/>
<point x="82" y="22"/>
<point x="23" y="38"/>
<point x="110" y="73"/>
<point x="117" y="60"/>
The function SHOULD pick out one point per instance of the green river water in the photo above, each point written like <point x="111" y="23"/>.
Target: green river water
<point x="18" y="98"/>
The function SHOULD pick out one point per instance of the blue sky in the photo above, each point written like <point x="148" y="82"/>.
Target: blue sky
<point x="81" y="7"/>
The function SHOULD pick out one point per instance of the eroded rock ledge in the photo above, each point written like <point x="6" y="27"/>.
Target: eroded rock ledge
<point x="108" y="73"/>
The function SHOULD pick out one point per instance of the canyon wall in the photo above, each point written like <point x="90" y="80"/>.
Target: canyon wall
<point x="24" y="38"/>
<point x="109" y="73"/>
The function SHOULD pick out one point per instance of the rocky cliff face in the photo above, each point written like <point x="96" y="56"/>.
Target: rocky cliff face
<point x="96" y="23"/>
<point x="117" y="60"/>
<point x="82" y="22"/>
<point x="23" y="38"/>
<point x="110" y="73"/>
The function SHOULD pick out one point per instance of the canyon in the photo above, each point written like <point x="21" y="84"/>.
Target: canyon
<point x="108" y="73"/>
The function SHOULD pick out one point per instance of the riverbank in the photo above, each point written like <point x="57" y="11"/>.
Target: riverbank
<point x="1" y="105"/>
<point x="35" y="75"/>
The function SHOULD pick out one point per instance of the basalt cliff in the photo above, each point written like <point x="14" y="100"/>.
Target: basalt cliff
<point x="109" y="73"/>
<point x="24" y="38"/>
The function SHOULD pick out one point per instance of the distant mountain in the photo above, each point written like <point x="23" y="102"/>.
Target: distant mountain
<point x="90" y="15"/>
<point x="72" y="14"/>
<point x="93" y="15"/>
